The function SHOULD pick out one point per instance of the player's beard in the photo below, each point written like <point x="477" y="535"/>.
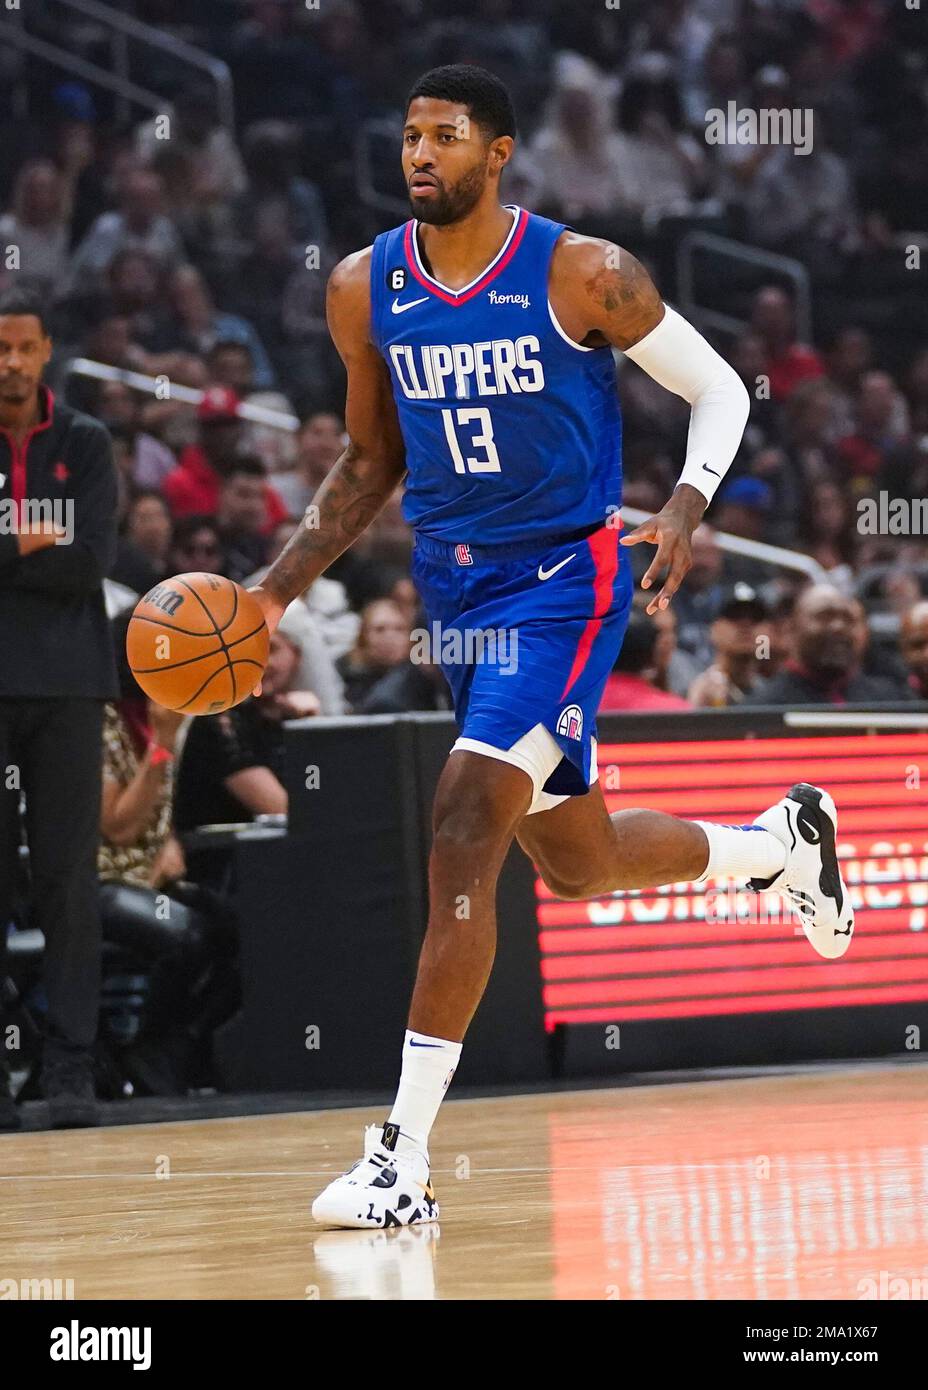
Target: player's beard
<point x="452" y="204"/>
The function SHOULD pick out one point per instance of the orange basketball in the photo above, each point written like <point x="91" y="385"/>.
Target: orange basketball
<point x="197" y="643"/>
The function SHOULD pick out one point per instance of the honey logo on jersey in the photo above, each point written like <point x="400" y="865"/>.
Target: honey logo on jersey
<point x="522" y="300"/>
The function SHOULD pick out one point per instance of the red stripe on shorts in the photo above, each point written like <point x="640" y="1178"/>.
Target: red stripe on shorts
<point x="604" y="547"/>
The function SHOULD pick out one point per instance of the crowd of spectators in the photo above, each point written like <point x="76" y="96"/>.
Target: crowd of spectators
<point x="197" y="254"/>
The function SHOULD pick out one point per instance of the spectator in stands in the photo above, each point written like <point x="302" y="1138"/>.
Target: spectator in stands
<point x="196" y="482"/>
<point x="777" y="649"/>
<point x="697" y="602"/>
<point x="808" y="415"/>
<point x="787" y="362"/>
<point x="674" y="669"/>
<point x="276" y="187"/>
<point x="120" y="408"/>
<point x="139" y="224"/>
<point x="876" y="643"/>
<point x="881" y="425"/>
<point x="914" y="646"/>
<point x="405" y="595"/>
<point x="241" y="516"/>
<point x="749" y="361"/>
<point x="734" y="635"/>
<point x="804" y="205"/>
<point x="744" y="507"/>
<point x="107" y="339"/>
<point x="38" y="226"/>
<point x="148" y="526"/>
<point x="577" y="149"/>
<point x="229" y="363"/>
<point x="848" y="357"/>
<point x="320" y="441"/>
<point x="829" y="531"/>
<point x="633" y="683"/>
<point x="232" y="765"/>
<point x="195" y="545"/>
<point x="824" y="668"/>
<point x="141" y="867"/>
<point x="216" y="172"/>
<point x="72" y="145"/>
<point x="916" y="388"/>
<point x="196" y="325"/>
<point x="739" y="163"/>
<point x="664" y="171"/>
<point x="408" y="687"/>
<point x="383" y="643"/>
<point x="774" y="467"/>
<point x="134" y="280"/>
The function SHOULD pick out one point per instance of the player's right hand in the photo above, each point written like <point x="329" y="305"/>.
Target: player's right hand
<point x="273" y="611"/>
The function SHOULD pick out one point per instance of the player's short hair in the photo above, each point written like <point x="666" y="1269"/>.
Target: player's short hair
<point x="485" y="96"/>
<point x="19" y="301"/>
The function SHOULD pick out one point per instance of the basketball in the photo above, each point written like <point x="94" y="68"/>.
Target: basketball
<point x="197" y="643"/>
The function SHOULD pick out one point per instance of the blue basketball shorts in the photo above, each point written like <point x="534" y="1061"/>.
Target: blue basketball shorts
<point x="527" y="636"/>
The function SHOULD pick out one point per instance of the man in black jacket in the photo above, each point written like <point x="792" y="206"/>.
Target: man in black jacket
<point x="57" y="542"/>
<point x="825" y="667"/>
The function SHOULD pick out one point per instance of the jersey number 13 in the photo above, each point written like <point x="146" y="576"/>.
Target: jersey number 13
<point x="480" y="438"/>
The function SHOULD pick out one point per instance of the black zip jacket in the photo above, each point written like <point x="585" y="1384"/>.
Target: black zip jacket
<point x="54" y="635"/>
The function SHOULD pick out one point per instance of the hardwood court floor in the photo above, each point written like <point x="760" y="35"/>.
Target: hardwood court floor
<point x="782" y="1186"/>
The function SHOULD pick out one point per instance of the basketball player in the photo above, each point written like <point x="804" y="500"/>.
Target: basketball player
<point x="478" y="344"/>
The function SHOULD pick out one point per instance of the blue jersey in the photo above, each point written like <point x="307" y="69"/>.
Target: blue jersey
<point x="512" y="430"/>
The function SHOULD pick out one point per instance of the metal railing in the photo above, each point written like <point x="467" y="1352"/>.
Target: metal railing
<point x="14" y="34"/>
<point x="121" y="28"/>
<point x="188" y="395"/>
<point x="753" y="550"/>
<point x="783" y="267"/>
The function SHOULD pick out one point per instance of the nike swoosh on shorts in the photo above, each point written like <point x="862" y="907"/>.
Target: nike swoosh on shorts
<point x="546" y="574"/>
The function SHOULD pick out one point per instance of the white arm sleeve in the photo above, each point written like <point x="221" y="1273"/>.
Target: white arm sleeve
<point x="680" y="359"/>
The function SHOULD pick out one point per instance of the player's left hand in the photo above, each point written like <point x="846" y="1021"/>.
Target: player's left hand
<point x="671" y="530"/>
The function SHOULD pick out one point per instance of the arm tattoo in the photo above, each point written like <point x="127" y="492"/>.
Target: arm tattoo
<point x="629" y="297"/>
<point x="348" y="501"/>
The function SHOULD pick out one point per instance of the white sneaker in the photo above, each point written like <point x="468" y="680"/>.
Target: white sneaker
<point x="806" y="822"/>
<point x="382" y="1189"/>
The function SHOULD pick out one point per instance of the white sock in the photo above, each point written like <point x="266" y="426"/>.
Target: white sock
<point x="428" y="1066"/>
<point x="741" y="851"/>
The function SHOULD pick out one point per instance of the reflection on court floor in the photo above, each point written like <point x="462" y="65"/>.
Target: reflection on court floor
<point x="811" y="1184"/>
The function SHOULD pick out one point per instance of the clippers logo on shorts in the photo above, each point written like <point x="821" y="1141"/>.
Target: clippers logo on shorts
<point x="462" y="555"/>
<point x="570" y="722"/>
